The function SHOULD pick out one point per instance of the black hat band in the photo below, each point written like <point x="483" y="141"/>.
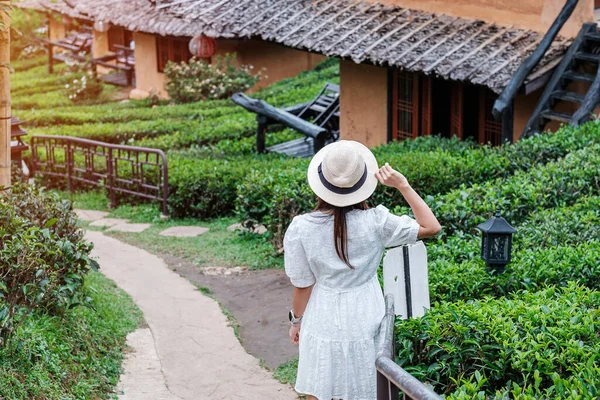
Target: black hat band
<point x="341" y="190"/>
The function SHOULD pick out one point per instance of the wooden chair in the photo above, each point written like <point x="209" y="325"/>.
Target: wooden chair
<point x="121" y="60"/>
<point x="318" y="120"/>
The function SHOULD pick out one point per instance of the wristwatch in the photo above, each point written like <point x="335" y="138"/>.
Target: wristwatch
<point x="295" y="321"/>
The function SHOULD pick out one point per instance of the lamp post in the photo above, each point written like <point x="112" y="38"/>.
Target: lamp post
<point x="496" y="242"/>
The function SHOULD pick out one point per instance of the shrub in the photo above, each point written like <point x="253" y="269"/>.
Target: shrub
<point x="83" y="88"/>
<point x="26" y="33"/>
<point x="430" y="172"/>
<point x="44" y="258"/>
<point x="530" y="339"/>
<point x="198" y="80"/>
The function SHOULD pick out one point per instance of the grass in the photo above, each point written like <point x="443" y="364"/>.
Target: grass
<point x="217" y="247"/>
<point x="286" y="373"/>
<point x="75" y="357"/>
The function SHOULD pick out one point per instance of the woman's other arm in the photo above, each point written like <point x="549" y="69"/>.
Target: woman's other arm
<point x="425" y="218"/>
<point x="300" y="298"/>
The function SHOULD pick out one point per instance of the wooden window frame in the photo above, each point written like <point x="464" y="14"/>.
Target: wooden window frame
<point x="409" y="105"/>
<point x="490" y="130"/>
<point x="120" y="36"/>
<point x="177" y="50"/>
<point x="456" y="110"/>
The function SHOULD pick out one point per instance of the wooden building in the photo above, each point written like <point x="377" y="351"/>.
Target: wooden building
<point x="410" y="67"/>
<point x="157" y="36"/>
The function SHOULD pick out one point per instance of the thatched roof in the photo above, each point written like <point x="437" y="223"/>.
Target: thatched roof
<point x="449" y="47"/>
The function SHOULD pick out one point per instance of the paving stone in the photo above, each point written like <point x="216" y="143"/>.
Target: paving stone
<point x="133" y="228"/>
<point x="109" y="222"/>
<point x="214" y="271"/>
<point x="90" y="215"/>
<point x="260" y="229"/>
<point x="184" y="231"/>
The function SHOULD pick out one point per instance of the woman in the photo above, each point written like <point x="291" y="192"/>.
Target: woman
<point x="331" y="258"/>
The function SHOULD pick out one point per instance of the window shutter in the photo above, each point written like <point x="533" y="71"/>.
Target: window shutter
<point x="426" y="105"/>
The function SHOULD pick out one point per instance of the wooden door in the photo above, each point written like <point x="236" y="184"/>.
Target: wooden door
<point x="456" y="110"/>
<point x="596" y="3"/>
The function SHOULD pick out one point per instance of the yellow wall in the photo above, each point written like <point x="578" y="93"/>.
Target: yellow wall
<point x="278" y="61"/>
<point x="147" y="76"/>
<point x="100" y="46"/>
<point x="363" y="100"/>
<point x="57" y="29"/>
<point x="536" y="15"/>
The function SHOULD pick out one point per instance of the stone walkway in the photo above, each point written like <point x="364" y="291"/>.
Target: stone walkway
<point x="198" y="353"/>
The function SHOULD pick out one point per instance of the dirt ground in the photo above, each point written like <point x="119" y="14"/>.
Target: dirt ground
<point x="259" y="301"/>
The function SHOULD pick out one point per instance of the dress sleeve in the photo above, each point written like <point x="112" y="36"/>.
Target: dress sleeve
<point x="395" y="230"/>
<point x="296" y="263"/>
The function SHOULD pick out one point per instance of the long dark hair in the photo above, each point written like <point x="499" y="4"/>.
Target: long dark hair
<point x="340" y="231"/>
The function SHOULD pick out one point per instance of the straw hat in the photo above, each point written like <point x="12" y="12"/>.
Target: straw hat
<point x="343" y="173"/>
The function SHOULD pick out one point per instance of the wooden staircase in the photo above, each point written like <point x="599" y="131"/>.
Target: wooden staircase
<point x="582" y="55"/>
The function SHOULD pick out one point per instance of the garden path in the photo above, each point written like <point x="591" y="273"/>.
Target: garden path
<point x="199" y="355"/>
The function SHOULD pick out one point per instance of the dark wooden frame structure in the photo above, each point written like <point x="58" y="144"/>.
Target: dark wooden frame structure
<point x="83" y="161"/>
<point x="75" y="43"/>
<point x="318" y="119"/>
<point x="122" y="60"/>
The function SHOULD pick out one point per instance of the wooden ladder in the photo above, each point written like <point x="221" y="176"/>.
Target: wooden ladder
<point x="584" y="50"/>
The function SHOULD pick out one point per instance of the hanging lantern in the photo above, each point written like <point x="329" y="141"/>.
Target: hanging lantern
<point x="202" y="46"/>
<point x="101" y="26"/>
<point x="67" y="21"/>
<point x="496" y="242"/>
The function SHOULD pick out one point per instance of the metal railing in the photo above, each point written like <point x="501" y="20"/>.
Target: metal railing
<point x="136" y="171"/>
<point x="391" y="378"/>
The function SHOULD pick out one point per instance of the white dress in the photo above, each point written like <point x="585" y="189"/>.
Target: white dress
<point x="341" y="323"/>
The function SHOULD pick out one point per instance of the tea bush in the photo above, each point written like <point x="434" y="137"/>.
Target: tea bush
<point x="430" y="172"/>
<point x="44" y="257"/>
<point x="197" y="79"/>
<point x="532" y="340"/>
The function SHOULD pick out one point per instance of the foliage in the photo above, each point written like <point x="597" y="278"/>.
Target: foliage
<point x="532" y="340"/>
<point x="76" y="356"/>
<point x="83" y="88"/>
<point x="28" y="29"/>
<point x="44" y="259"/>
<point x="197" y="79"/>
<point x="273" y="199"/>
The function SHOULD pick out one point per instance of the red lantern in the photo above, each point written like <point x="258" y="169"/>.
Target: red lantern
<point x="202" y="46"/>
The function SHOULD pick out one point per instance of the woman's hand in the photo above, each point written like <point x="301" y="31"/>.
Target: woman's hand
<point x="390" y="177"/>
<point x="295" y="334"/>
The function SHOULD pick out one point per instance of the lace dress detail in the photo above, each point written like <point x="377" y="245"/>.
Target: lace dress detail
<point x="340" y="327"/>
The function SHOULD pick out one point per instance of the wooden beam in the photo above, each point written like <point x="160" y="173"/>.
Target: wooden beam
<point x="419" y="42"/>
<point x="309" y="20"/>
<point x="387" y="35"/>
<point x="356" y="28"/>
<point x="5" y="112"/>
<point x="265" y="12"/>
<point x="330" y="20"/>
<point x="455" y="49"/>
<point x="479" y="48"/>
<point x="534" y="58"/>
<point x="175" y="3"/>
<point x="512" y="59"/>
<point x="204" y="10"/>
<point x="495" y="53"/>
<point x="368" y="35"/>
<point x="438" y="44"/>
<point x="292" y="18"/>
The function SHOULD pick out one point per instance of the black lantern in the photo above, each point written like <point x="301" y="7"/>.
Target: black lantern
<point x="496" y="242"/>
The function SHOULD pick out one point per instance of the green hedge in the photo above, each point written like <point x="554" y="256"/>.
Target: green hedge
<point x="273" y="200"/>
<point x="553" y="247"/>
<point x="529" y="339"/>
